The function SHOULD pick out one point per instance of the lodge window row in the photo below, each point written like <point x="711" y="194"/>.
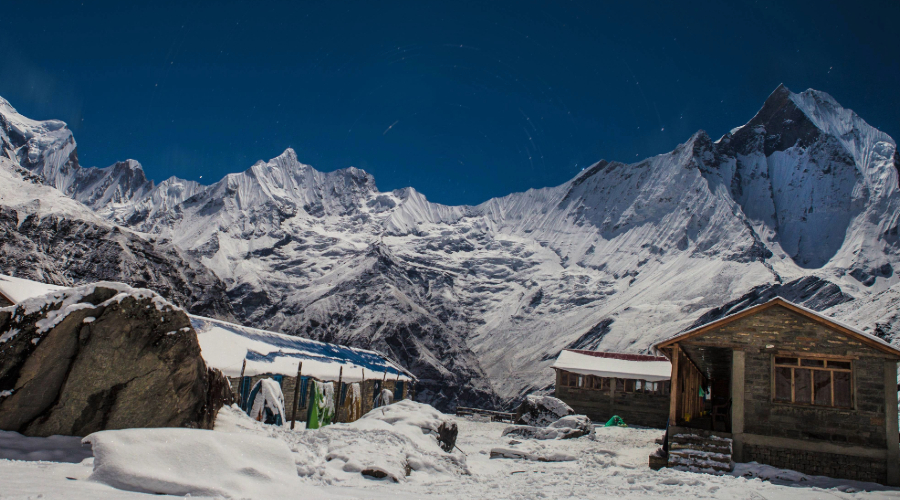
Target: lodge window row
<point x="591" y="382"/>
<point x="813" y="381"/>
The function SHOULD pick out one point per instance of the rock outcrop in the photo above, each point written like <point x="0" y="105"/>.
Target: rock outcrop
<point x="541" y="411"/>
<point x="99" y="357"/>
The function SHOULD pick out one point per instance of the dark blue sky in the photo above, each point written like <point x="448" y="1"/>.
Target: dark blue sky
<point x="462" y="100"/>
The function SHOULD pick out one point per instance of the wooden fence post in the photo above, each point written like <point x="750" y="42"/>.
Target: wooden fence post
<point x="296" y="395"/>
<point x="241" y="384"/>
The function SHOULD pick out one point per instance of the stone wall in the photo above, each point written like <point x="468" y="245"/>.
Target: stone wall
<point x="650" y="410"/>
<point x="818" y="463"/>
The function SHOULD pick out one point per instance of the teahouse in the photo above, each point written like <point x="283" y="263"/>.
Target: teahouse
<point x="246" y="355"/>
<point x="790" y="388"/>
<point x="602" y="384"/>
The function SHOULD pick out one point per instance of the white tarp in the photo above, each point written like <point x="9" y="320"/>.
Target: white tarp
<point x="226" y="346"/>
<point x="585" y="364"/>
<point x="18" y="289"/>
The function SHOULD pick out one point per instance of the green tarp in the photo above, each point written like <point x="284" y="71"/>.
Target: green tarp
<point x="616" y="421"/>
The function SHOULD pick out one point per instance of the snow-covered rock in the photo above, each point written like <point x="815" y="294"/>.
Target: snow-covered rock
<point x="541" y="411"/>
<point x="568" y="427"/>
<point x="194" y="462"/>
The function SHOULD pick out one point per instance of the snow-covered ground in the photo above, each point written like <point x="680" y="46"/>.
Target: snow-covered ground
<point x="611" y="464"/>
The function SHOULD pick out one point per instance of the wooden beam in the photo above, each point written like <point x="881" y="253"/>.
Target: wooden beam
<point x="673" y="387"/>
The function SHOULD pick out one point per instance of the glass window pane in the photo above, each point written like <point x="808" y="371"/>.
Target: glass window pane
<point x="638" y="385"/>
<point x="844" y="365"/>
<point x="822" y="379"/>
<point x="620" y="384"/>
<point x="812" y="362"/>
<point x="842" y="389"/>
<point x="786" y="361"/>
<point x="580" y="381"/>
<point x="802" y="386"/>
<point x="783" y="384"/>
<point x="629" y="385"/>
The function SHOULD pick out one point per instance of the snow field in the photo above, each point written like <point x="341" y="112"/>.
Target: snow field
<point x="243" y="458"/>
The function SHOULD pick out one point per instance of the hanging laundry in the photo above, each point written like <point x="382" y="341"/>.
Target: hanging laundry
<point x="321" y="405"/>
<point x="266" y="402"/>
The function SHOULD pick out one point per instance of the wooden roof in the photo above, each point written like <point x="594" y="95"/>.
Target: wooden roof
<point x="863" y="337"/>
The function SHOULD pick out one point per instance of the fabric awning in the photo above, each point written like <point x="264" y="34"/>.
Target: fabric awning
<point x="611" y="365"/>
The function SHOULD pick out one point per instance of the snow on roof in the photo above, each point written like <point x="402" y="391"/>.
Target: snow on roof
<point x="885" y="346"/>
<point x="601" y="364"/>
<point x="18" y="289"/>
<point x="225" y="346"/>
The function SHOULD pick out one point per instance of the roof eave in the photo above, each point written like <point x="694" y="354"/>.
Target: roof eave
<point x="668" y="343"/>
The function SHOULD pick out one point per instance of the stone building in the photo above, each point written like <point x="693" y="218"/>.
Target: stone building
<point x="787" y="387"/>
<point x="602" y="384"/>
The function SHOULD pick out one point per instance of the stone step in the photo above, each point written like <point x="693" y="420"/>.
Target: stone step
<point x="700" y="450"/>
<point x="702" y="465"/>
<point x="700" y="439"/>
<point x="701" y="456"/>
<point x="700" y="447"/>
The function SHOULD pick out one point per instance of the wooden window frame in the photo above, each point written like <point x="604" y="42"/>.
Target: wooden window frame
<point x="798" y="364"/>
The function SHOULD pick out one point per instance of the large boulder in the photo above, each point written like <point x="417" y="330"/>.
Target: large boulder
<point x="541" y="411"/>
<point x="571" y="426"/>
<point x="103" y="356"/>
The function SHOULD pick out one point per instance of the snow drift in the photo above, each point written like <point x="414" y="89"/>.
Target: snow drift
<point x="193" y="462"/>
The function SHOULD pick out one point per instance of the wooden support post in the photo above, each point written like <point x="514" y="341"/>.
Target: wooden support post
<point x="296" y="395"/>
<point x="241" y="384"/>
<point x="673" y="388"/>
<point x="337" y="404"/>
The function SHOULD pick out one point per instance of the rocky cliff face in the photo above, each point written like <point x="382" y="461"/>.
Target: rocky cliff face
<point x="478" y="300"/>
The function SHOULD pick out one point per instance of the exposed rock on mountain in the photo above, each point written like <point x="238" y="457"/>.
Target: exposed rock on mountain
<point x="103" y="356"/>
<point x="477" y="300"/>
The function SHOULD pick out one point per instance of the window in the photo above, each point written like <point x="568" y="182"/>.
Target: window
<point x="598" y="383"/>
<point x="813" y="381"/>
<point x="572" y="379"/>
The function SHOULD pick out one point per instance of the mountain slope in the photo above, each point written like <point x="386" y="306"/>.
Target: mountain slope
<point x="477" y="300"/>
<point x="47" y="236"/>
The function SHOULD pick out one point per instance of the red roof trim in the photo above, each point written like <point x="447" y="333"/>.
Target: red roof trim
<point x="620" y="355"/>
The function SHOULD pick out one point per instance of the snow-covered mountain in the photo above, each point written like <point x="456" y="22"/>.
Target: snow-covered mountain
<point x="47" y="236"/>
<point x="801" y="201"/>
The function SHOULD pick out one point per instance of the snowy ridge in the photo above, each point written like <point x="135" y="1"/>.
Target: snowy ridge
<point x="477" y="301"/>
